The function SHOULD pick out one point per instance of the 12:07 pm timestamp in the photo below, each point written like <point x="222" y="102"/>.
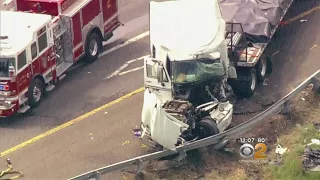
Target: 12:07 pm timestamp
<point x="252" y="140"/>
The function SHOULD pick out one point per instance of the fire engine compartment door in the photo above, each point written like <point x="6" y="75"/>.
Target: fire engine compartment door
<point x="63" y="41"/>
<point x="109" y="8"/>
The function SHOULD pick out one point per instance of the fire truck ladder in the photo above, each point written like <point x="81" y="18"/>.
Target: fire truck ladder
<point x="282" y="106"/>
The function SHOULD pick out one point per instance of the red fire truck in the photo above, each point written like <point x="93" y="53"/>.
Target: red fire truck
<point x="41" y="39"/>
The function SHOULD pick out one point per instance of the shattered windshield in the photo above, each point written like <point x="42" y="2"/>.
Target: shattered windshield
<point x="196" y="70"/>
<point x="5" y="63"/>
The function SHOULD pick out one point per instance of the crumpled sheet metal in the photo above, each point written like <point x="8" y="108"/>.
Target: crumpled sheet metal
<point x="258" y="17"/>
<point x="311" y="159"/>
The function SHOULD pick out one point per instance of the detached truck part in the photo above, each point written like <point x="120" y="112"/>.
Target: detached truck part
<point x="202" y="51"/>
<point x="42" y="39"/>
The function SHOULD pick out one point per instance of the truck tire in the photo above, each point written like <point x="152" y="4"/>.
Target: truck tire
<point x="93" y="47"/>
<point x="245" y="85"/>
<point x="35" y="92"/>
<point x="208" y="127"/>
<point x="262" y="68"/>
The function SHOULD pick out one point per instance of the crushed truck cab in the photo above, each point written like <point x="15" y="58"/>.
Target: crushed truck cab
<point x="175" y="122"/>
<point x="204" y="51"/>
<point x="186" y="96"/>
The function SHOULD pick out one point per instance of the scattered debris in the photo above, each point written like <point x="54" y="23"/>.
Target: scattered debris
<point x="126" y="142"/>
<point x="314" y="141"/>
<point x="303" y="99"/>
<point x="90" y="134"/>
<point x="105" y="112"/>
<point x="144" y="146"/>
<point x="9" y="171"/>
<point x="89" y="72"/>
<point x="264" y="82"/>
<point x="311" y="159"/>
<point x="280" y="150"/>
<point x="230" y="150"/>
<point x="166" y="165"/>
<point x="276" y="161"/>
<point x="137" y="132"/>
<point x="298" y="125"/>
<point x="314" y="46"/>
<point x="303" y="20"/>
<point x="316" y="125"/>
<point x="275" y="53"/>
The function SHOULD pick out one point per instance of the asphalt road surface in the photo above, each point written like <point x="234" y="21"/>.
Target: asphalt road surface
<point x="84" y="88"/>
<point x="106" y="137"/>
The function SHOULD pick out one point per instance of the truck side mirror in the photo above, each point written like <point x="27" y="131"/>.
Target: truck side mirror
<point x="160" y="73"/>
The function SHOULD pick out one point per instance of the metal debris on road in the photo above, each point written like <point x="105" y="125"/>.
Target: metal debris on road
<point x="265" y="82"/>
<point x="314" y="46"/>
<point x="137" y="132"/>
<point x="275" y="53"/>
<point x="311" y="159"/>
<point x="144" y="146"/>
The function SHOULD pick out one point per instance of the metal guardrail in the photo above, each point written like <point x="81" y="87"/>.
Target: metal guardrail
<point x="281" y="106"/>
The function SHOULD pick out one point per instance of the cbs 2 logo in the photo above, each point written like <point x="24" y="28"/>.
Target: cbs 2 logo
<point x="257" y="152"/>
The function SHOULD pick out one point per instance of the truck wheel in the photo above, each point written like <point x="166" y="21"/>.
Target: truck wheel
<point x="247" y="85"/>
<point x="93" y="47"/>
<point x="262" y="68"/>
<point x="208" y="127"/>
<point x="35" y="93"/>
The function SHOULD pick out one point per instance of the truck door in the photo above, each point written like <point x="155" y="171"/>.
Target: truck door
<point x="163" y="90"/>
<point x="34" y="58"/>
<point x="23" y="70"/>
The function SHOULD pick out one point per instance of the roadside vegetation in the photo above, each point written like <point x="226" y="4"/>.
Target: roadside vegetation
<point x="292" y="131"/>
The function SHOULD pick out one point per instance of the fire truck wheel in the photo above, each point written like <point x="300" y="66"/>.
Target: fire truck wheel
<point x="35" y="93"/>
<point x="208" y="127"/>
<point x="93" y="47"/>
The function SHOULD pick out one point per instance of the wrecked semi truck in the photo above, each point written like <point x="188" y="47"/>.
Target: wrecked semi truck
<point x="202" y="52"/>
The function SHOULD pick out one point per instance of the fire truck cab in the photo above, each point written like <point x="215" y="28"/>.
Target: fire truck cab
<point x="42" y="39"/>
<point x="25" y="59"/>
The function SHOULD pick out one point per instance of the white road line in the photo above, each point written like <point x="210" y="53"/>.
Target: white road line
<point x="134" y="39"/>
<point x="117" y="72"/>
<point x="131" y="70"/>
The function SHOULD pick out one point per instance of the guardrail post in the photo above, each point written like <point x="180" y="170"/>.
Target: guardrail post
<point x="98" y="175"/>
<point x="139" y="174"/>
<point x="286" y="108"/>
<point x="182" y="155"/>
<point x="316" y="85"/>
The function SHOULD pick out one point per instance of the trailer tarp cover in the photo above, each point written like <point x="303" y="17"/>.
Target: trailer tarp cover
<point x="258" y="17"/>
